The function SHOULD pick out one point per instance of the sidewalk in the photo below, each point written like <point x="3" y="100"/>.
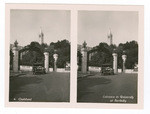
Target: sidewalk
<point x="84" y="75"/>
<point x="16" y="74"/>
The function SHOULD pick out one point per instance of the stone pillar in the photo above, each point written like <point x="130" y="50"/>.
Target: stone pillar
<point x="15" y="58"/>
<point x="46" y="61"/>
<point x="55" y="62"/>
<point x="84" y="60"/>
<point x="124" y="60"/>
<point x="115" y="67"/>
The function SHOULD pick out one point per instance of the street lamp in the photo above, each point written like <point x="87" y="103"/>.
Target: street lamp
<point x="55" y="60"/>
<point x="124" y="57"/>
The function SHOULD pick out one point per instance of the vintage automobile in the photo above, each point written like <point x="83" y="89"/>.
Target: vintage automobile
<point x="106" y="69"/>
<point x="38" y="68"/>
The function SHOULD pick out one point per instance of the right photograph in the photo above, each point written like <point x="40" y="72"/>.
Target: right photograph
<point x="107" y="57"/>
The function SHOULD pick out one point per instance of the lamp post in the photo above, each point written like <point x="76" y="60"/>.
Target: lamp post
<point x="55" y="61"/>
<point x="124" y="57"/>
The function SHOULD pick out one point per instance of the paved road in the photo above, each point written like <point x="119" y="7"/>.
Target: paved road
<point x="121" y="88"/>
<point x="51" y="87"/>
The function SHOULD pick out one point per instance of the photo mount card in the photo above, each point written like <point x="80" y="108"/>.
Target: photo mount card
<point x="74" y="56"/>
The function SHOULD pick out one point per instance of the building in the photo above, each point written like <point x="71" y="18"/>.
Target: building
<point x="41" y="37"/>
<point x="110" y="37"/>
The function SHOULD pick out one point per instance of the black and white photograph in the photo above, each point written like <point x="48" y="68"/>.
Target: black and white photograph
<point x="107" y="55"/>
<point x="74" y="56"/>
<point x="39" y="67"/>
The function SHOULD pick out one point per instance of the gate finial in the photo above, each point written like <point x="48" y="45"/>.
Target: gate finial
<point x="16" y="44"/>
<point x="84" y="44"/>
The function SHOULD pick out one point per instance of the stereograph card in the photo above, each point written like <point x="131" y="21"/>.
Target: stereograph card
<point x="80" y="56"/>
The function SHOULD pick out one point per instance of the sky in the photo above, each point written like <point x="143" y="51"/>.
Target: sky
<point x="93" y="26"/>
<point x="25" y="25"/>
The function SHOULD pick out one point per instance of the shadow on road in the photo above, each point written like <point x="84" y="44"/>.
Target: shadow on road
<point x="85" y="83"/>
<point x="17" y="82"/>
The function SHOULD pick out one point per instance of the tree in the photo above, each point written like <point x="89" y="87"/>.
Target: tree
<point x="131" y="49"/>
<point x="62" y="48"/>
<point x="103" y="55"/>
<point x="11" y="55"/>
<point x="79" y="57"/>
<point x="34" y="54"/>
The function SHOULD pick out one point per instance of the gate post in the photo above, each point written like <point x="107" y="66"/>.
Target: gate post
<point x="55" y="61"/>
<point x="115" y="63"/>
<point x="16" y="55"/>
<point x="46" y="61"/>
<point x="84" y="58"/>
<point x="124" y="57"/>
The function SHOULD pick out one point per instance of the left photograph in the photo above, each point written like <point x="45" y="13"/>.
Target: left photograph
<point x="39" y="56"/>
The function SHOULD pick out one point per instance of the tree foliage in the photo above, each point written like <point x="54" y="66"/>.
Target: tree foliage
<point x="103" y="54"/>
<point x="131" y="50"/>
<point x="35" y="53"/>
<point x="62" y="48"/>
<point x="11" y="55"/>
